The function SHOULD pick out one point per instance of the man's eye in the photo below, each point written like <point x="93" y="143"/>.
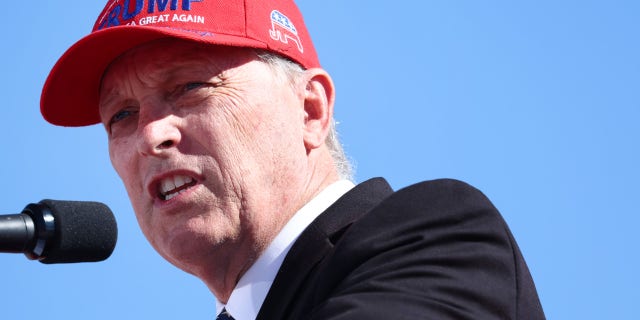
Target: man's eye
<point x="193" y="85"/>
<point x="121" y="115"/>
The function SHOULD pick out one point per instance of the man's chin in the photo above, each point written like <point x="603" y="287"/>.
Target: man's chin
<point x="187" y="248"/>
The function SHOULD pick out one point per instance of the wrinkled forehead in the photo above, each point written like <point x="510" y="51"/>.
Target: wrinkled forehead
<point x="163" y="62"/>
<point x="170" y="52"/>
<point x="160" y="60"/>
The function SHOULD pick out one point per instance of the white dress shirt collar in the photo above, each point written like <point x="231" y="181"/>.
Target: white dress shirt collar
<point x="249" y="294"/>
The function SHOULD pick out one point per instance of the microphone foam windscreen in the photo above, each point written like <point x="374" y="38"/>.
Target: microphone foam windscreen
<point x="85" y="232"/>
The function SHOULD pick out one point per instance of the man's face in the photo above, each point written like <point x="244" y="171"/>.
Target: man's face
<point x="207" y="141"/>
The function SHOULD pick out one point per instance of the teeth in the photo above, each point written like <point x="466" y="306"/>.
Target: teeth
<point x="171" y="195"/>
<point x="179" y="181"/>
<point x="171" y="187"/>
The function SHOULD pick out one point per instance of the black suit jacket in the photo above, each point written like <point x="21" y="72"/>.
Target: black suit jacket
<point x="434" y="250"/>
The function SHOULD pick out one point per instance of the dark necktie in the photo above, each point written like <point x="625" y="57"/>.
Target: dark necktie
<point x="224" y="315"/>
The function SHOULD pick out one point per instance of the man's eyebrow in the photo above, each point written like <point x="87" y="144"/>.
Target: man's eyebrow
<point x="106" y="99"/>
<point x="189" y="69"/>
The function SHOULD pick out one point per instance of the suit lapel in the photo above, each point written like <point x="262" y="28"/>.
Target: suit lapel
<point x="316" y="242"/>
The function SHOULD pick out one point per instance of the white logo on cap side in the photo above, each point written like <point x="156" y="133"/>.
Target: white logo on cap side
<point x="283" y="30"/>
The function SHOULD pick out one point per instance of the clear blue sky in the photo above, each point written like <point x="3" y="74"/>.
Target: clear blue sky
<point x="536" y="103"/>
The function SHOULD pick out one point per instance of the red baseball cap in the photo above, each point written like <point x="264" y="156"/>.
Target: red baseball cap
<point x="70" y="93"/>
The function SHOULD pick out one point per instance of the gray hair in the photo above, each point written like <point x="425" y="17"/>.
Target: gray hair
<point x="293" y="73"/>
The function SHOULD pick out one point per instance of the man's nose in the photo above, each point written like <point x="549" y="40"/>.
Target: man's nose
<point x="159" y="135"/>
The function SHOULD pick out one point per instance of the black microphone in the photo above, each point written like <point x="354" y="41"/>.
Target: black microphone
<point x="54" y="231"/>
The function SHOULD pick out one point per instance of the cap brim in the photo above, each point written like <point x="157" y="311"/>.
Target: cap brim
<point x="71" y="91"/>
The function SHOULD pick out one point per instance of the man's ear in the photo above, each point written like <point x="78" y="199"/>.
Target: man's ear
<point x="318" y="107"/>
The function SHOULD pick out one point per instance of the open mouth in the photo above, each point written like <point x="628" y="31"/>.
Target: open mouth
<point x="173" y="186"/>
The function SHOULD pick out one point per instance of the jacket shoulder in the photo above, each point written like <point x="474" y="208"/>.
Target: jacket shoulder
<point x="433" y="249"/>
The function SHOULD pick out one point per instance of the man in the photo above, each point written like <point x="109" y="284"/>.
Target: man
<point x="220" y="124"/>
